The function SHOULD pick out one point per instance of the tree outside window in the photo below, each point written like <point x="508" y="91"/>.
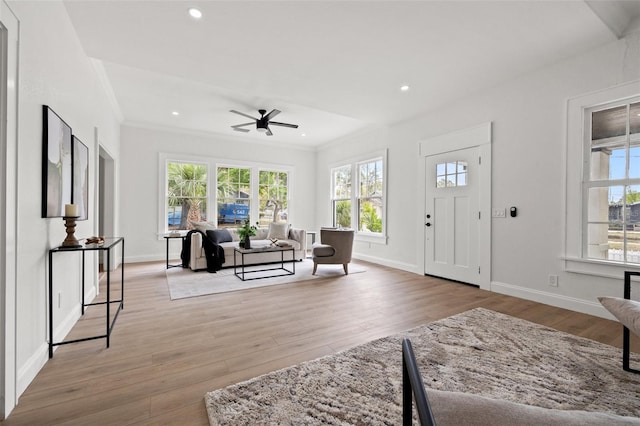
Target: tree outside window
<point x="370" y="180"/>
<point x="273" y="192"/>
<point x="234" y="196"/>
<point x="186" y="194"/>
<point x="341" y="197"/>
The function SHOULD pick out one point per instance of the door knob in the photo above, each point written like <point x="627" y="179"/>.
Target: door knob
<point x="428" y="224"/>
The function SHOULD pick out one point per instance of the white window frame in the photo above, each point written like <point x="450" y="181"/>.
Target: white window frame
<point x="212" y="200"/>
<point x="354" y="163"/>
<point x="575" y="214"/>
<point x="333" y="197"/>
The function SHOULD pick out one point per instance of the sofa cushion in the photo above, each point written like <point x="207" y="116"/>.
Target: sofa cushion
<point x="627" y="311"/>
<point x="278" y="231"/>
<point x="323" y="250"/>
<point x="459" y="409"/>
<point x="219" y="236"/>
<point x="203" y="226"/>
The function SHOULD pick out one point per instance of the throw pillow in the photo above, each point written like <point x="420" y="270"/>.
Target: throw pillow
<point x="279" y="231"/>
<point x="627" y="311"/>
<point x="203" y="226"/>
<point x="219" y="236"/>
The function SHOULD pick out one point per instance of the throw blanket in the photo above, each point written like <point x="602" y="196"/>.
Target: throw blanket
<point x="212" y="251"/>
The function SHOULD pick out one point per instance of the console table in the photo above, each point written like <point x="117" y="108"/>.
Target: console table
<point x="107" y="246"/>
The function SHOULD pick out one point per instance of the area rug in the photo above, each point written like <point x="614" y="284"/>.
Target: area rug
<point x="479" y="351"/>
<point x="185" y="283"/>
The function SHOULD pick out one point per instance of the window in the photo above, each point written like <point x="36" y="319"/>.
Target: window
<point x="611" y="182"/>
<point x="186" y="195"/>
<point x="451" y="174"/>
<point x="244" y="190"/>
<point x="358" y="192"/>
<point x="341" y="196"/>
<point x="234" y="196"/>
<point x="370" y="196"/>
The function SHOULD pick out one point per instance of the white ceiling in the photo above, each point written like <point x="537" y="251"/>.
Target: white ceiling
<point x="334" y="68"/>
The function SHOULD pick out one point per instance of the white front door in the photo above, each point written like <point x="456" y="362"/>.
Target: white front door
<point x="452" y="215"/>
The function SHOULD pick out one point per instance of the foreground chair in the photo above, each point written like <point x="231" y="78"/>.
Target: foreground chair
<point x="335" y="247"/>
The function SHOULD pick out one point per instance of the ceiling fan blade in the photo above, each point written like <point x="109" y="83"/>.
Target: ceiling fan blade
<point x="269" y="131"/>
<point x="242" y="113"/>
<point x="275" y="123"/>
<point x="238" y="129"/>
<point x="244" y="124"/>
<point x="272" y="114"/>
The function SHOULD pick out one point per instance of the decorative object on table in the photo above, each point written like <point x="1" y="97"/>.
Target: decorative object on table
<point x="245" y="231"/>
<point x="80" y="177"/>
<point x="57" y="176"/>
<point x="70" y="216"/>
<point x="95" y="240"/>
<point x="274" y="241"/>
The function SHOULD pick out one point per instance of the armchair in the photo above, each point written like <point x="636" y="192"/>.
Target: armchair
<point x="335" y="247"/>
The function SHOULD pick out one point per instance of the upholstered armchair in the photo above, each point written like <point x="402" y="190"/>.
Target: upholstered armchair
<point x="335" y="247"/>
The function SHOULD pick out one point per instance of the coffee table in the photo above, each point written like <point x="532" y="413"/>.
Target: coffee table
<point x="279" y="270"/>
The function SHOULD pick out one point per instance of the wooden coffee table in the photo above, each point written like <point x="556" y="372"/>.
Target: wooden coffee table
<point x="239" y="269"/>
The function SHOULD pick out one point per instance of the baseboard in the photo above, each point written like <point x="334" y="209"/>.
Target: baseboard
<point x="557" y="300"/>
<point x="148" y="258"/>
<point x="386" y="262"/>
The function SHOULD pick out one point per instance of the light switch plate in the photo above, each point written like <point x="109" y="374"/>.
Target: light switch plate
<point x="499" y="212"/>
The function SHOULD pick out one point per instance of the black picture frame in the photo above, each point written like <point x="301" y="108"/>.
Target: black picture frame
<point x="57" y="168"/>
<point x="80" y="178"/>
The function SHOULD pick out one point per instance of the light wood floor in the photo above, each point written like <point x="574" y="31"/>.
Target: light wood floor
<point x="165" y="355"/>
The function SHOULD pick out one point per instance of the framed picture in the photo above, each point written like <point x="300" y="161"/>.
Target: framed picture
<point x="56" y="164"/>
<point x="80" y="194"/>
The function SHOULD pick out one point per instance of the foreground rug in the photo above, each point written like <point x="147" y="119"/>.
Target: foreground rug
<point x="185" y="283"/>
<point x="478" y="351"/>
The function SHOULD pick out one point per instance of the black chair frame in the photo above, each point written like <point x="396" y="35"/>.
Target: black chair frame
<point x="413" y="387"/>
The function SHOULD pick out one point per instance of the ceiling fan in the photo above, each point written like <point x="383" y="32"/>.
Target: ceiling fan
<point x="262" y="123"/>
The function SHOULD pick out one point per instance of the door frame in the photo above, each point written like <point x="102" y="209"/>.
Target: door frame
<point x="481" y="137"/>
<point x="9" y="74"/>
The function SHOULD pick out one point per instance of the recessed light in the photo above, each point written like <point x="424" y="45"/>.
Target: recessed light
<point x="304" y="134"/>
<point x="175" y="113"/>
<point x="195" y="13"/>
<point x="404" y="88"/>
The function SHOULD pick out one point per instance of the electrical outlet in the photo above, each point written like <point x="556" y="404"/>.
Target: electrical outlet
<point x="498" y="212"/>
<point x="553" y="280"/>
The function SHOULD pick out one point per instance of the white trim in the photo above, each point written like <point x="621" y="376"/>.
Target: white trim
<point x="390" y="263"/>
<point x="478" y="136"/>
<point x="574" y="148"/>
<point x="32" y="367"/>
<point x="9" y="389"/>
<point x="558" y="300"/>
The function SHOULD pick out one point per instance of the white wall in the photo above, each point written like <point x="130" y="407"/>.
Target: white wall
<point x="53" y="71"/>
<point x="529" y="131"/>
<point x="140" y="152"/>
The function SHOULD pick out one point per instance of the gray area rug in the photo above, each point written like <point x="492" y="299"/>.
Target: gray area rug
<point x="478" y="351"/>
<point x="185" y="283"/>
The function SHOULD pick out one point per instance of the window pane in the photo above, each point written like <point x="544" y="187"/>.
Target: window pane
<point x="617" y="163"/>
<point x="342" y="182"/>
<point x="234" y="192"/>
<point x="634" y="118"/>
<point x="634" y="161"/>
<point x="609" y="123"/>
<point x="462" y="179"/>
<point x="273" y="197"/>
<point x="186" y="194"/>
<point x="370" y="215"/>
<point x="342" y="213"/>
<point x="440" y="169"/>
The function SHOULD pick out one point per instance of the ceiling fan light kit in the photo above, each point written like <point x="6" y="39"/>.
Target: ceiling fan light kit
<point x="262" y="123"/>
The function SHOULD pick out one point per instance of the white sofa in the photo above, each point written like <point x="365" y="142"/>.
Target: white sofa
<point x="296" y="238"/>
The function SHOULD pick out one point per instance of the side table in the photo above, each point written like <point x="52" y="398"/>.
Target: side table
<point x="107" y="246"/>
<point x="172" y="236"/>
